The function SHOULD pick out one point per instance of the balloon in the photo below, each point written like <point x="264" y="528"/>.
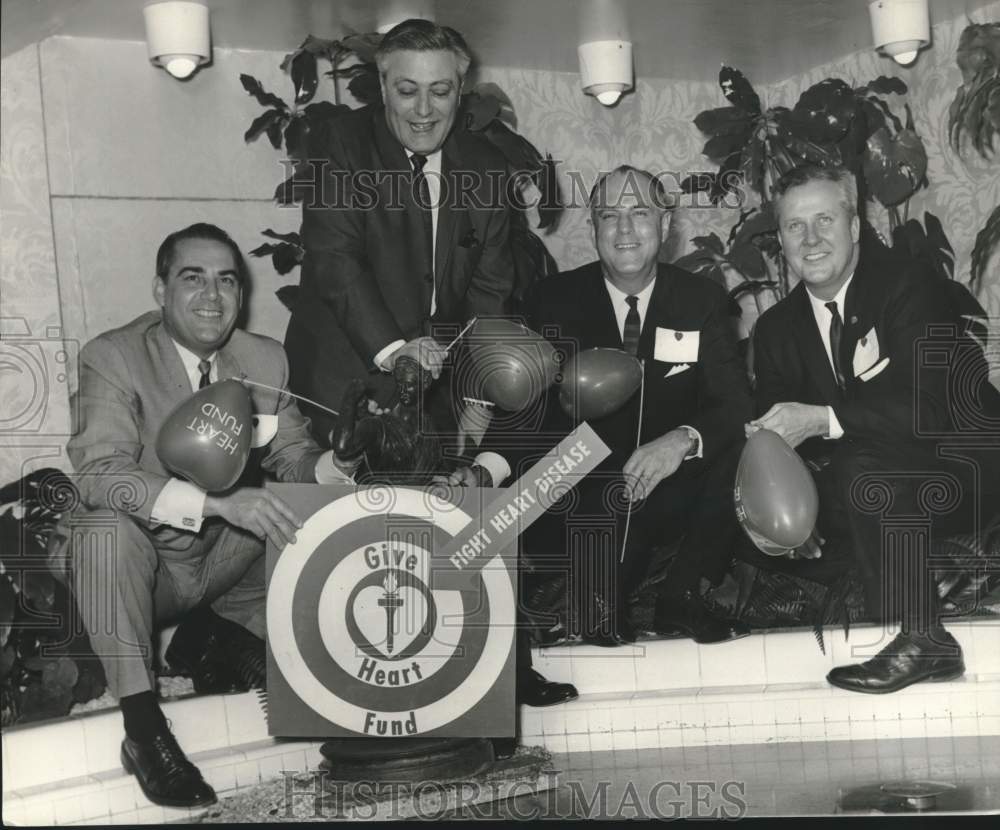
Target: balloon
<point x="597" y="382"/>
<point x="206" y="438"/>
<point x="776" y="498"/>
<point x="513" y="365"/>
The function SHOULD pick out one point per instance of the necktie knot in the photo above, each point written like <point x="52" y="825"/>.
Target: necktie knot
<point x="832" y="308"/>
<point x="633" y="301"/>
<point x="205" y="367"/>
<point x="418" y="160"/>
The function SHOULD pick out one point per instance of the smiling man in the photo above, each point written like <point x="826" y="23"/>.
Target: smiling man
<point x="840" y="378"/>
<point x="406" y="236"/>
<point x="669" y="443"/>
<point x="178" y="553"/>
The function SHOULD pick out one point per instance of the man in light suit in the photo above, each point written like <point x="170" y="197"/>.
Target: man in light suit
<point x="839" y="376"/>
<point x="405" y="233"/>
<point x="175" y="547"/>
<point x="676" y="473"/>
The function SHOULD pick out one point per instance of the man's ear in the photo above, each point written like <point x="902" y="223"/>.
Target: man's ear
<point x="856" y="229"/>
<point x="159" y="289"/>
<point x="664" y="225"/>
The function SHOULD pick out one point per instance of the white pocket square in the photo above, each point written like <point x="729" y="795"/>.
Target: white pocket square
<point x="868" y="374"/>
<point x="676" y="370"/>
<point x="265" y="427"/>
<point x="866" y="353"/>
<point x="673" y="346"/>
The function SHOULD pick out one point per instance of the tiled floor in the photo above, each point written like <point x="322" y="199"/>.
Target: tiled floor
<point x="758" y="780"/>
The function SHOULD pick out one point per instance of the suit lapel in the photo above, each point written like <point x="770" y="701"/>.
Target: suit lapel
<point x="857" y="319"/>
<point x="810" y="342"/>
<point x="449" y="213"/>
<point x="166" y="354"/>
<point x="601" y="312"/>
<point x="657" y="312"/>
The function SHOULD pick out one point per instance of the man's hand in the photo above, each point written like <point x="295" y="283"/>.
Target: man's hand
<point x="257" y="510"/>
<point x="473" y="476"/>
<point x="795" y="422"/>
<point x="655" y="461"/>
<point x="425" y="350"/>
<point x="811" y="549"/>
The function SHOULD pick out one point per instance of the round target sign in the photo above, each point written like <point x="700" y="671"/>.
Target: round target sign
<point x="361" y="633"/>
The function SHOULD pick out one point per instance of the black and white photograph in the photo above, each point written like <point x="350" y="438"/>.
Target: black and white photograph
<point x="580" y="410"/>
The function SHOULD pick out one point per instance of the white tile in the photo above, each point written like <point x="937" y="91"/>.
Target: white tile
<point x="131" y="817"/>
<point x="964" y="727"/>
<point x="692" y="715"/>
<point x="763" y="713"/>
<point x="792" y="658"/>
<point x="764" y="733"/>
<point x="205" y="728"/>
<point x="669" y="664"/>
<point x="599" y="720"/>
<point x="31" y="761"/>
<point x="601" y="741"/>
<point x="986" y="640"/>
<point x="838" y="730"/>
<point x="813" y="731"/>
<point x="553" y="721"/>
<point x="715" y="714"/>
<point x="717" y="736"/>
<point x="103" y="739"/>
<point x="887" y="728"/>
<point x="294" y="760"/>
<point x="647" y="738"/>
<point x="554" y="664"/>
<point x="668" y="716"/>
<point x="152" y="814"/>
<point x="906" y="706"/>
<point x="531" y="721"/>
<point x="557" y="743"/>
<point x="245" y="719"/>
<point x="861" y="708"/>
<point x="741" y="710"/>
<point x="123" y="797"/>
<point x="624" y="718"/>
<point x="576" y="720"/>
<point x="70" y="809"/>
<point x="739" y="661"/>
<point x="788" y="731"/>
<point x="624" y="740"/>
<point x="271" y="767"/>
<point x="786" y="712"/>
<point x="670" y="737"/>
<point x="989" y="725"/>
<point x="912" y="728"/>
<point x="599" y="670"/>
<point x="247" y="774"/>
<point x="221" y="778"/>
<point x="578" y="743"/>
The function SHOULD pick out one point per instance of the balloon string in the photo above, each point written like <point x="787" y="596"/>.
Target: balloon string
<point x="471" y="323"/>
<point x="245" y="379"/>
<point x="638" y="437"/>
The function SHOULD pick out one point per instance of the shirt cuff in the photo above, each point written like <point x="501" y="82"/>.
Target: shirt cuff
<point x="698" y="450"/>
<point x="496" y="465"/>
<point x="833" y="430"/>
<point x="180" y="504"/>
<point x="327" y="472"/>
<point x="381" y="357"/>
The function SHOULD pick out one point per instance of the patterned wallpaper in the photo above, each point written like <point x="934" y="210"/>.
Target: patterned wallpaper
<point x="144" y="180"/>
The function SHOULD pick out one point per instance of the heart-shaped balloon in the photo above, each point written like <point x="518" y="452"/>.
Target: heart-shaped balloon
<point x="597" y="382"/>
<point x="776" y="498"/>
<point x="513" y="365"/>
<point x="206" y="438"/>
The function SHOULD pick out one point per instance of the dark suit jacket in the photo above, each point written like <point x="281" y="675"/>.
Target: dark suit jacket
<point x="916" y="398"/>
<point x="365" y="277"/>
<point x="574" y="310"/>
<point x="130" y="380"/>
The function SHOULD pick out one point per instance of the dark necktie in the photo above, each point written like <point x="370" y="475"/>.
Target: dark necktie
<point x="205" y="367"/>
<point x="422" y="195"/>
<point x="630" y="337"/>
<point x="836" y="334"/>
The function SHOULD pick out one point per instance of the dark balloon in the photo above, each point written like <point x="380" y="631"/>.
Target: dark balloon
<point x="597" y="382"/>
<point x="206" y="438"/>
<point x="513" y="365"/>
<point x="776" y="498"/>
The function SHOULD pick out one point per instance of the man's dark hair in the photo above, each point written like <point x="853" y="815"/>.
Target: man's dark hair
<point x="657" y="192"/>
<point x="199" y="230"/>
<point x="836" y="173"/>
<point x="417" y="35"/>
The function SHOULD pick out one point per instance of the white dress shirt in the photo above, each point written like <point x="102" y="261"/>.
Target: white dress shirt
<point x="181" y="504"/>
<point x="823" y="318"/>
<point x="432" y="175"/>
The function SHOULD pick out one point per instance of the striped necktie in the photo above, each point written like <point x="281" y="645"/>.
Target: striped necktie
<point x="630" y="337"/>
<point x="205" y="367"/>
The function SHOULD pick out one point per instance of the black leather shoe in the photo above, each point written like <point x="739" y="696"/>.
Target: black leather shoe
<point x="535" y="690"/>
<point x="552" y="636"/>
<point x="908" y="659"/>
<point x="219" y="655"/>
<point x="686" y="613"/>
<point x="164" y="773"/>
<point x="624" y="635"/>
<point x="504" y="747"/>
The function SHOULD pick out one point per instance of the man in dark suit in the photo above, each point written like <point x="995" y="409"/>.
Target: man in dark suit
<point x="176" y="549"/>
<point x="407" y="234"/>
<point x="839" y="376"/>
<point x="675" y="477"/>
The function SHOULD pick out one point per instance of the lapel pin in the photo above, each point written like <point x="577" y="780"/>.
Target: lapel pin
<point x="678" y="335"/>
<point x="854" y="319"/>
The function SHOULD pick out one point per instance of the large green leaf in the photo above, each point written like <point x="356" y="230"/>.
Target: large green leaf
<point x="264" y="98"/>
<point x="824" y="112"/>
<point x="304" y="76"/>
<point x="986" y="242"/>
<point x="723" y="121"/>
<point x="884" y="85"/>
<point x="268" y="122"/>
<point x="894" y="167"/>
<point x="720" y="147"/>
<point x="926" y="244"/>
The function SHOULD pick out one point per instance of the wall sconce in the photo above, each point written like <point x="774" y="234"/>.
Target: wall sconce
<point x="900" y="28"/>
<point x="177" y="35"/>
<point x="605" y="69"/>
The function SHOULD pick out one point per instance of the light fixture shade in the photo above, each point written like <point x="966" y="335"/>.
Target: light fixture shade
<point x="605" y="69"/>
<point x="177" y="35"/>
<point x="900" y="28"/>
